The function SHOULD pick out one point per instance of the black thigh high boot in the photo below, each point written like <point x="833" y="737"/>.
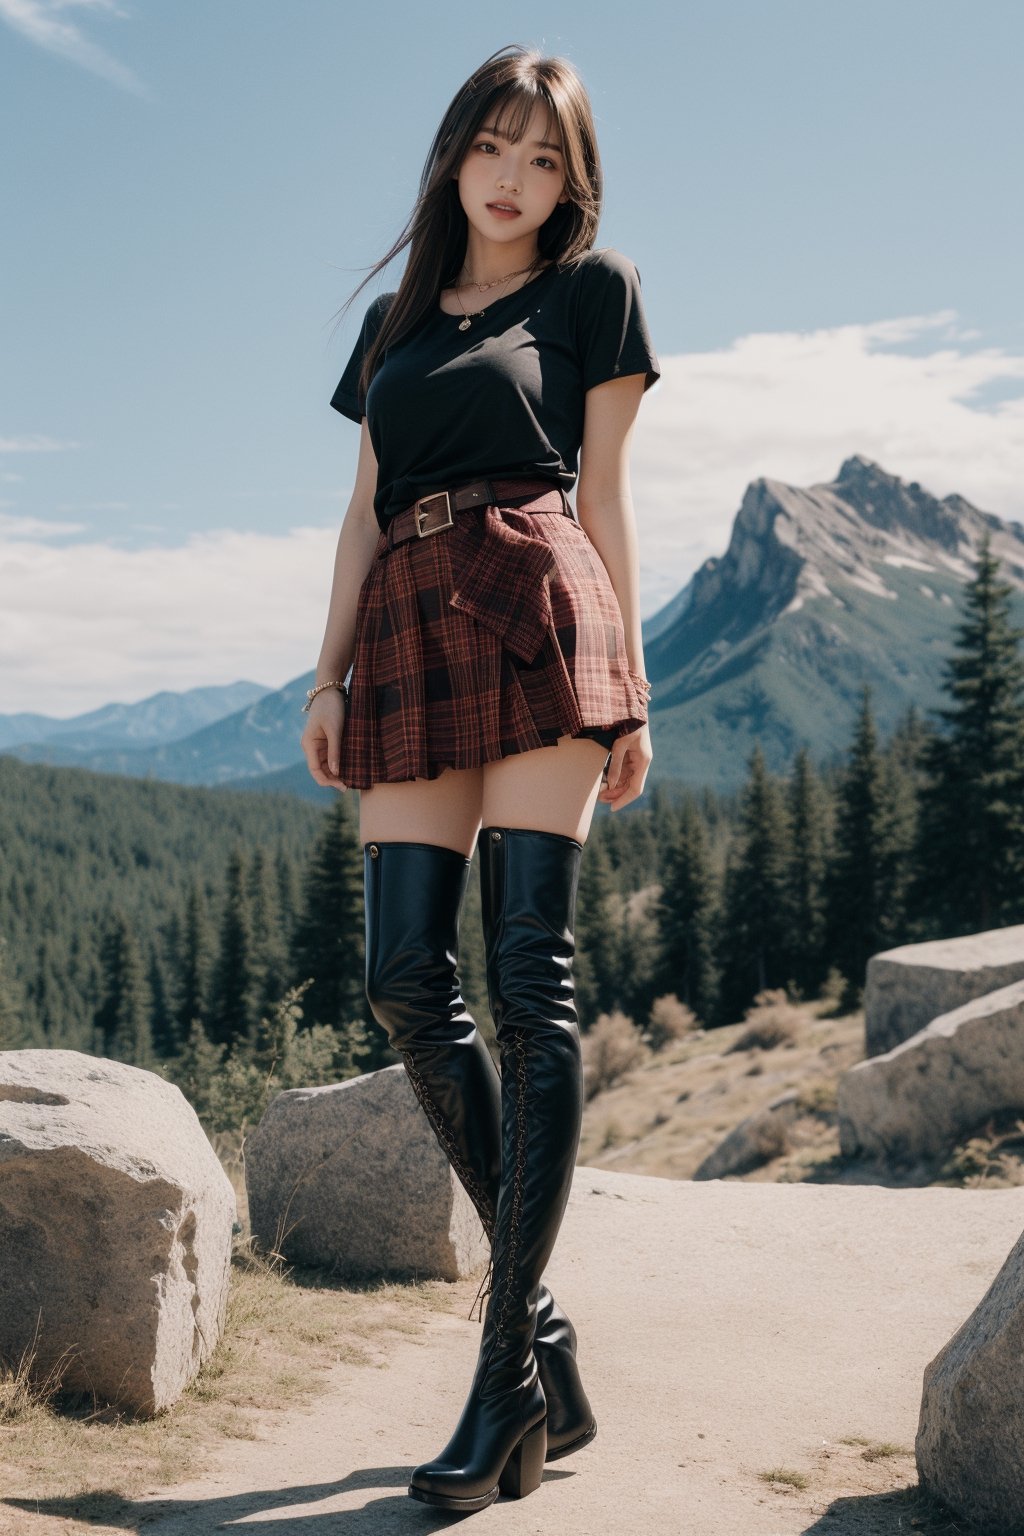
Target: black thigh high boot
<point x="530" y="885"/>
<point x="414" y="894"/>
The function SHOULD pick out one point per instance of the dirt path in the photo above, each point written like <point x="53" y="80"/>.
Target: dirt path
<point x="727" y="1330"/>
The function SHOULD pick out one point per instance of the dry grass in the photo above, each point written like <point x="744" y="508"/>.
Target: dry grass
<point x="669" y="1110"/>
<point x="990" y="1157"/>
<point x="864" y="1485"/>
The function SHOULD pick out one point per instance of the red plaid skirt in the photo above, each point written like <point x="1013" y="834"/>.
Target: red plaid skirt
<point x="494" y="636"/>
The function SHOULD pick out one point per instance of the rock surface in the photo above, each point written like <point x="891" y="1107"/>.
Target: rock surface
<point x="115" y="1228"/>
<point x="919" y="1098"/>
<point x="969" y="1436"/>
<point x="352" y="1177"/>
<point x="756" y="1140"/>
<point x="906" y="988"/>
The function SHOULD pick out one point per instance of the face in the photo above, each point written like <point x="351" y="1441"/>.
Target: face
<point x="528" y="176"/>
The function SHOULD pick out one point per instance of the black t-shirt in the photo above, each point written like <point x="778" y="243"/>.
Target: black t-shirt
<point x="506" y="396"/>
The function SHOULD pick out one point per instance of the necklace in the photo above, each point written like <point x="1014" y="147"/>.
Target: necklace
<point x="477" y="314"/>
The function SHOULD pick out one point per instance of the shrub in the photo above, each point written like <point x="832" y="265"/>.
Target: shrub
<point x="612" y="1047"/>
<point x="771" y="1021"/>
<point x="670" y="1020"/>
<point x="230" y="1087"/>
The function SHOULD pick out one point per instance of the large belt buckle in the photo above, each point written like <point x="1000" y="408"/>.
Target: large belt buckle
<point x="422" y="511"/>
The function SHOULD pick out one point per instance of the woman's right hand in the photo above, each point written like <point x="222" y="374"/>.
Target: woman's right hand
<point x="321" y="740"/>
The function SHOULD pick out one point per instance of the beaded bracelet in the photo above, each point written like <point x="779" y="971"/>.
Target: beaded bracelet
<point x="311" y="693"/>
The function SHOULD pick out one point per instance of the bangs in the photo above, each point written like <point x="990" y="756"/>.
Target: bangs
<point x="511" y="110"/>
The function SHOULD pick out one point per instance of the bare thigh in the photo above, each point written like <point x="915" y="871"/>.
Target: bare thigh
<point x="551" y="789"/>
<point x="445" y="810"/>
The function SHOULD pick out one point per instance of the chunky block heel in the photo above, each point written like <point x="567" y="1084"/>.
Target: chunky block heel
<point x="525" y="1467"/>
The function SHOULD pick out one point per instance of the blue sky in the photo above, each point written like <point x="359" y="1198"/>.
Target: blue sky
<point x="822" y="200"/>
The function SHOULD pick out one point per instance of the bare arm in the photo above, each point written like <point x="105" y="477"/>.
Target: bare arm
<point x="604" y="501"/>
<point x="321" y="739"/>
<point x="356" y="543"/>
<point x="604" y="505"/>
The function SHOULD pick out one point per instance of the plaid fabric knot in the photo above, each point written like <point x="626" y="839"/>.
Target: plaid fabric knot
<point x="500" y="571"/>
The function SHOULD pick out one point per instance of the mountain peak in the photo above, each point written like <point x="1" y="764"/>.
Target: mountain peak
<point x="857" y="467"/>
<point x="791" y="544"/>
<point x="904" y="508"/>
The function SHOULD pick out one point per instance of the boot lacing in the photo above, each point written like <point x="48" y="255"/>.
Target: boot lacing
<point x="517" y="1051"/>
<point x="470" y="1182"/>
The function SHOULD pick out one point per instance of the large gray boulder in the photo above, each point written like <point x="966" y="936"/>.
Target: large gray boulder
<point x="920" y="1097"/>
<point x="971" y="1427"/>
<point x="906" y="988"/>
<point x="755" y="1141"/>
<point x="115" y="1228"/>
<point x="350" y="1176"/>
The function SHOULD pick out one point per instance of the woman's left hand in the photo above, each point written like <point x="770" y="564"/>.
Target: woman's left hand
<point x="627" y="771"/>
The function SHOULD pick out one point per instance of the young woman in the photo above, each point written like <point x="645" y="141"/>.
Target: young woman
<point x="496" y="686"/>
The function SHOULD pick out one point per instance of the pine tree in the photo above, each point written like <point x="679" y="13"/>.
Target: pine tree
<point x="907" y="741"/>
<point x="970" y="842"/>
<point x="198" y="1073"/>
<point x="122" y="1019"/>
<point x="163" y="1029"/>
<point x="286" y="882"/>
<point x="755" y="928"/>
<point x="864" y="913"/>
<point x="328" y="944"/>
<point x="14" y="1032"/>
<point x="40" y="991"/>
<point x="805" y="878"/>
<point x="193" y="963"/>
<point x="233" y="1004"/>
<point x="597" y="968"/>
<point x="270" y="954"/>
<point x="685" y="916"/>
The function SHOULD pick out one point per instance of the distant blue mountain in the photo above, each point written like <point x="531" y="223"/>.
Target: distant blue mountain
<point x="162" y="718"/>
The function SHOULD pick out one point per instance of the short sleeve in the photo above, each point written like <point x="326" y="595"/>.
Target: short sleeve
<point x="347" y="397"/>
<point x="612" y="333"/>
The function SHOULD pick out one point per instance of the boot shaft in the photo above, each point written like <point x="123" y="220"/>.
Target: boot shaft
<point x="529" y="883"/>
<point x="413" y="897"/>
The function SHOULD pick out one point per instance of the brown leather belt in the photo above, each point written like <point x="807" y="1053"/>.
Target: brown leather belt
<point x="434" y="513"/>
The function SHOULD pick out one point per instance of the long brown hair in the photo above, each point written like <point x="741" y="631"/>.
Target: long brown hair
<point x="512" y="80"/>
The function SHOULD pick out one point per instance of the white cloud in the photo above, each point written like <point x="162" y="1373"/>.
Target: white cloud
<point x="83" y="623"/>
<point x="20" y="528"/>
<point x="793" y="405"/>
<point x="88" y="621"/>
<point x="93" y="506"/>
<point x="36" y="442"/>
<point x="40" y="23"/>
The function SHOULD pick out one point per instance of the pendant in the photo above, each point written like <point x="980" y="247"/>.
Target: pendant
<point x="464" y="324"/>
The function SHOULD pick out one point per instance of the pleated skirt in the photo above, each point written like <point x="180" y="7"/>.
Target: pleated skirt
<point x="494" y="636"/>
